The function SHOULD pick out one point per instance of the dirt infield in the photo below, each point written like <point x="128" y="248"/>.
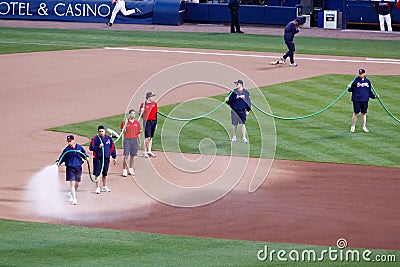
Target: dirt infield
<point x="300" y="202"/>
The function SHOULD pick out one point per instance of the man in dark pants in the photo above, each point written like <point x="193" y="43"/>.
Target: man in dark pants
<point x="233" y="6"/>
<point x="291" y="29"/>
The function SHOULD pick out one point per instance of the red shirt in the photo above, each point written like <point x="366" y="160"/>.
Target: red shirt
<point x="132" y="130"/>
<point x="150" y="111"/>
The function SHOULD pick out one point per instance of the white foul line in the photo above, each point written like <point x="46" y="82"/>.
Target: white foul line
<point x="367" y="60"/>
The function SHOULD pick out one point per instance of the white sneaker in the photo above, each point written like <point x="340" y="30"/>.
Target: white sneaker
<point x="352" y="129"/>
<point x="131" y="171"/>
<point x="283" y="60"/>
<point x="244" y="140"/>
<point x="97" y="190"/>
<point x="150" y="154"/>
<point x="106" y="189"/>
<point x="365" y="130"/>
<point x="70" y="197"/>
<point x="124" y="172"/>
<point x="234" y="139"/>
<point x="145" y="155"/>
<point x="293" y="65"/>
<point x="75" y="202"/>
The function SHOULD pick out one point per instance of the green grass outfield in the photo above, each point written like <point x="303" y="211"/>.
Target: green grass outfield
<point x="19" y="40"/>
<point x="321" y="138"/>
<point x="37" y="244"/>
<point x="34" y="244"/>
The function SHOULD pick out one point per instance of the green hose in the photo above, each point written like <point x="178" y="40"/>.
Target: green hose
<point x="88" y="164"/>
<point x="383" y="106"/>
<point x="302" y="117"/>
<point x="198" y="117"/>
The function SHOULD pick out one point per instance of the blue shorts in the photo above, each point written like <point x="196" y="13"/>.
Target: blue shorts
<point x="238" y="117"/>
<point x="149" y="128"/>
<point x="360" y="106"/>
<point x="73" y="174"/>
<point x="131" y="146"/>
<point x="97" y="166"/>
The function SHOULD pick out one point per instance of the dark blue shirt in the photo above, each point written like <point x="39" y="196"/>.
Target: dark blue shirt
<point x="290" y="30"/>
<point x="109" y="147"/>
<point x="237" y="103"/>
<point x="73" y="159"/>
<point x="361" y="90"/>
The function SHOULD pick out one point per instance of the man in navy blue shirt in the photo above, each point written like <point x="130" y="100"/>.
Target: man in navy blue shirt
<point x="73" y="163"/>
<point x="361" y="93"/>
<point x="240" y="103"/>
<point x="291" y="29"/>
<point x="102" y="143"/>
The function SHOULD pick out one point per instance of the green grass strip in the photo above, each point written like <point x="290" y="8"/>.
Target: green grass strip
<point x="322" y="138"/>
<point x="39" y="244"/>
<point x="21" y="40"/>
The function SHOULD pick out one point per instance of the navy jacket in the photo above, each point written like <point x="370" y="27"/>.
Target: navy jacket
<point x="233" y="4"/>
<point x="109" y="147"/>
<point x="290" y="30"/>
<point x="73" y="159"/>
<point x="361" y="90"/>
<point x="237" y="103"/>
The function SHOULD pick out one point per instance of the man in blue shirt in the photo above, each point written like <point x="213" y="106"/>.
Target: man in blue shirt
<point x="73" y="163"/>
<point x="291" y="29"/>
<point x="240" y="103"/>
<point x="102" y="143"/>
<point x="361" y="93"/>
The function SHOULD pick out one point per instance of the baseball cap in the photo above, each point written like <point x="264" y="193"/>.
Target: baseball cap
<point x="238" y="81"/>
<point x="70" y="138"/>
<point x="361" y="71"/>
<point x="150" y="94"/>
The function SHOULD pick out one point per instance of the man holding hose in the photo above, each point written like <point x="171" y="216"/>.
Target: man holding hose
<point x="103" y="148"/>
<point x="73" y="163"/>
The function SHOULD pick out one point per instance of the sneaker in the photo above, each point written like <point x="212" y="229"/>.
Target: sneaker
<point x="74" y="201"/>
<point x="109" y="24"/>
<point x="106" y="189"/>
<point x="70" y="197"/>
<point x="352" y="128"/>
<point x="245" y="141"/>
<point x="131" y="171"/>
<point x="145" y="155"/>
<point x="234" y="139"/>
<point x="283" y="60"/>
<point x="150" y="154"/>
<point x="124" y="172"/>
<point x="293" y="65"/>
<point x="365" y="130"/>
<point x="97" y="190"/>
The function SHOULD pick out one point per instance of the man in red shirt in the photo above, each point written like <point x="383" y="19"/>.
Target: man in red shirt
<point x="149" y="111"/>
<point x="131" y="129"/>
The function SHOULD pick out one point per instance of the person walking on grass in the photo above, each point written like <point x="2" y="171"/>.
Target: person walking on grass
<point x="73" y="166"/>
<point x="361" y="90"/>
<point x="99" y="143"/>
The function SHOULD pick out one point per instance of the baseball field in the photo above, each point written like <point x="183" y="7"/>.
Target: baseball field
<point x="326" y="196"/>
